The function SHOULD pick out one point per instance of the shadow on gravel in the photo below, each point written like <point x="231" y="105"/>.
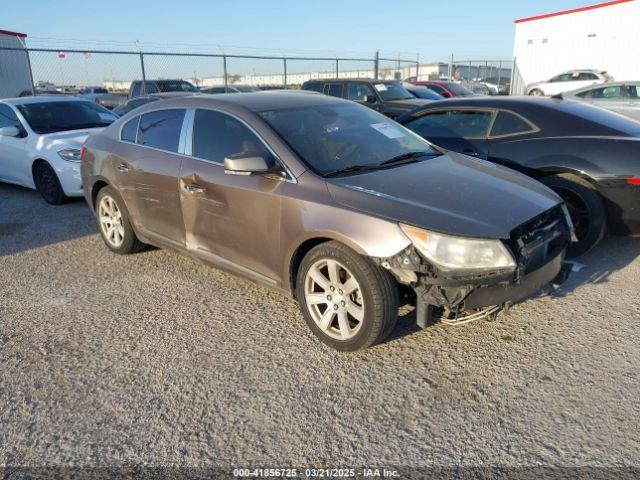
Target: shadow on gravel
<point x="28" y="222"/>
<point x="612" y="254"/>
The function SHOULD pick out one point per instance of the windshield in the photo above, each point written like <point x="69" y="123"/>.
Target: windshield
<point x="50" y="117"/>
<point x="177" y="86"/>
<point x="392" y="91"/>
<point x="337" y="136"/>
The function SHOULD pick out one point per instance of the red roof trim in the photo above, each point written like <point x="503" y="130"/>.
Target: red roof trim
<point x="13" y="34"/>
<point x="575" y="10"/>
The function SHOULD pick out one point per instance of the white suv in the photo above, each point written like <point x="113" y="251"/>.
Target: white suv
<point x="40" y="142"/>
<point x="568" y="81"/>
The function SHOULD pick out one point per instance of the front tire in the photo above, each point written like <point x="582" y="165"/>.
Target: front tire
<point x="585" y="208"/>
<point x="48" y="185"/>
<point x="348" y="302"/>
<point x="536" y="92"/>
<point x="115" y="224"/>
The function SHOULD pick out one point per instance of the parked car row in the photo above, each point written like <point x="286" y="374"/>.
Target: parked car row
<point x="468" y="204"/>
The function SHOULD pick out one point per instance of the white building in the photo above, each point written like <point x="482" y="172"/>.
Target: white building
<point x="605" y="36"/>
<point x="15" y="79"/>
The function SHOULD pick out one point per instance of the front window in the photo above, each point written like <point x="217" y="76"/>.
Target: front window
<point x="51" y="117"/>
<point x="333" y="137"/>
<point x="392" y="91"/>
<point x="358" y="91"/>
<point x="217" y="135"/>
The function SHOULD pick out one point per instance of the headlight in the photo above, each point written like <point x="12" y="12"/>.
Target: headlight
<point x="70" y="154"/>
<point x="459" y="253"/>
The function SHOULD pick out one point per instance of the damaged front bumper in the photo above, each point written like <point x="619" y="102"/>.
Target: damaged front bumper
<point x="539" y="248"/>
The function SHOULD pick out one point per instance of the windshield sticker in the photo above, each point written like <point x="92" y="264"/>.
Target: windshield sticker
<point x="388" y="130"/>
<point x="381" y="87"/>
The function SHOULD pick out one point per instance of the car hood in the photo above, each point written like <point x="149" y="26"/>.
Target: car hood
<point x="452" y="193"/>
<point x="69" y="139"/>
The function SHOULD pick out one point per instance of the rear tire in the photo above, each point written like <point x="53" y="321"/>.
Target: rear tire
<point x="348" y="302"/>
<point x="115" y="224"/>
<point x="536" y="92"/>
<point x="48" y="185"/>
<point x="585" y="208"/>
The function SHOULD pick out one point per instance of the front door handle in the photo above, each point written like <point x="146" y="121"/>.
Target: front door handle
<point x="123" y="167"/>
<point x="191" y="188"/>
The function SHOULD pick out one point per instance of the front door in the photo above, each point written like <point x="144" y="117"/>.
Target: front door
<point x="230" y="218"/>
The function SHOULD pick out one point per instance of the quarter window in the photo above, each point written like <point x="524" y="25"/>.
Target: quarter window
<point x="217" y="135"/>
<point x="452" y="124"/>
<point x="128" y="132"/>
<point x="161" y="129"/>
<point x="509" y="124"/>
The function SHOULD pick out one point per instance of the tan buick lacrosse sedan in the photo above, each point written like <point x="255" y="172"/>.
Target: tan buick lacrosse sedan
<point x="326" y="200"/>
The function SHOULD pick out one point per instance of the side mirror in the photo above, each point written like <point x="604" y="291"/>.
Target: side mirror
<point x="9" y="131"/>
<point x="370" y="99"/>
<point x="249" y="163"/>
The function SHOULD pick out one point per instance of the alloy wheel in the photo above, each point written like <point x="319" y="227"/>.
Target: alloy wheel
<point x="334" y="299"/>
<point x="111" y="223"/>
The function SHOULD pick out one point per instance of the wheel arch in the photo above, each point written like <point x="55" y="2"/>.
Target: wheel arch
<point x="98" y="185"/>
<point x="304" y="245"/>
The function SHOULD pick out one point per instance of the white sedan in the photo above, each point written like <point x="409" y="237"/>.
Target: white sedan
<point x="40" y="142"/>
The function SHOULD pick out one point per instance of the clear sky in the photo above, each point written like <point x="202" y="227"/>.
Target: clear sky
<point x="432" y="28"/>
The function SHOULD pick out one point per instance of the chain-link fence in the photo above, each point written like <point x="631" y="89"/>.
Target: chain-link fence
<point x="68" y="71"/>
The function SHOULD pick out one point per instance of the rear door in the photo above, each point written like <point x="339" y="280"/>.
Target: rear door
<point x="462" y="130"/>
<point x="14" y="164"/>
<point x="229" y="219"/>
<point x="149" y="174"/>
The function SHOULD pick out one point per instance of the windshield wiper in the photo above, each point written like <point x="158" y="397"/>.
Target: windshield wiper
<point x="407" y="158"/>
<point x="351" y="169"/>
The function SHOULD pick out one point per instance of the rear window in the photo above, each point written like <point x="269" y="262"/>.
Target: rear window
<point x="600" y="116"/>
<point x="161" y="129"/>
<point x="129" y="130"/>
<point x="175" y="86"/>
<point x="459" y="90"/>
<point x="100" y="90"/>
<point x="333" y="89"/>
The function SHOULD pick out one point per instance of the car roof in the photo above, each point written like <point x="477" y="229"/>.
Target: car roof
<point x="494" y="102"/>
<point x="351" y="80"/>
<point x="43" y="99"/>
<point x="601" y="85"/>
<point x="257" y="101"/>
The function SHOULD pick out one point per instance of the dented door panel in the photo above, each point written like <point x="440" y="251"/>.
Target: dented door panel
<point x="231" y="216"/>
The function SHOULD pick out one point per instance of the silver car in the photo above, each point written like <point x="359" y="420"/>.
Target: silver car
<point x="620" y="97"/>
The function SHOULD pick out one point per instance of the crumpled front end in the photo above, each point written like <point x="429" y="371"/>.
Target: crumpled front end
<point x="538" y="247"/>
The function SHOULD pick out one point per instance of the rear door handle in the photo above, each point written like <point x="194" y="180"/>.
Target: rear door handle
<point x="191" y="188"/>
<point x="123" y="167"/>
<point x="473" y="153"/>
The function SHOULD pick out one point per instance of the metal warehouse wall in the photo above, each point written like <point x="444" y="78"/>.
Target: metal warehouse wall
<point x="14" y="68"/>
<point x="604" y="38"/>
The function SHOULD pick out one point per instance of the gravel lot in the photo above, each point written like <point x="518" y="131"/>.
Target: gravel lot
<point x="155" y="359"/>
